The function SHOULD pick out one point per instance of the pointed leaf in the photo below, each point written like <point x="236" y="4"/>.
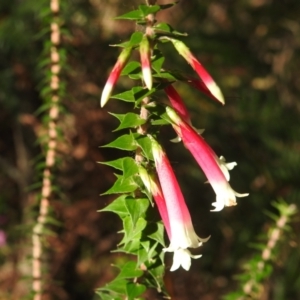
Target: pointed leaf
<point x="134" y="290"/>
<point x="117" y="164"/>
<point x="147" y="10"/>
<point x="158" y="235"/>
<point x="122" y="185"/>
<point x="145" y="143"/>
<point x="132" y="15"/>
<point x="136" y="208"/>
<point x="129" y="167"/>
<point x="135" y="38"/>
<point x="130" y="120"/>
<point x="132" y="233"/>
<point x="117" y="206"/>
<point x="124" y="142"/>
<point x="127" y="96"/>
<point x="132" y="67"/>
<point x="129" y="270"/>
<point x="158" y="61"/>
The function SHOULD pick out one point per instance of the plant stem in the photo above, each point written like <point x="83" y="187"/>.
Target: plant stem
<point x="47" y="185"/>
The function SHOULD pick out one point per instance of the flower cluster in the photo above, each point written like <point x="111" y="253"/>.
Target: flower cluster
<point x="215" y="168"/>
<point x="165" y="188"/>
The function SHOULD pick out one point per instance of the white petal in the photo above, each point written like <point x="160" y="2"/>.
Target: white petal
<point x="182" y="257"/>
<point x="241" y="195"/>
<point x="225" y="167"/>
<point x="219" y="204"/>
<point x="176" y="140"/>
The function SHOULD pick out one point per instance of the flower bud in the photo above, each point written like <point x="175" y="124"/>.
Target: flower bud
<point x="145" y="52"/>
<point x="201" y="71"/>
<point x="114" y="75"/>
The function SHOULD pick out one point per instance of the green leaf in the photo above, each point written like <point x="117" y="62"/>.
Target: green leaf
<point x="158" y="235"/>
<point x="129" y="270"/>
<point x="125" y="164"/>
<point x="131" y="246"/>
<point x="132" y="233"/>
<point x="166" y="75"/>
<point x="116" y="286"/>
<point x="157" y="273"/>
<point x="117" y="206"/>
<point x="159" y="122"/>
<point x="143" y="252"/>
<point x="147" y="10"/>
<point x="122" y="185"/>
<point x="121" y="284"/>
<point x="147" y="253"/>
<point x="129" y="167"/>
<point x="136" y="208"/>
<point x="132" y="15"/>
<point x="124" y="142"/>
<point x="105" y="296"/>
<point x="157" y="61"/>
<point x="145" y="143"/>
<point x="141" y="93"/>
<point x="131" y="68"/>
<point x="136" y="94"/>
<point x="127" y="96"/>
<point x="130" y="120"/>
<point x="134" y="290"/>
<point x="135" y="38"/>
<point x="166" y="29"/>
<point x="117" y="164"/>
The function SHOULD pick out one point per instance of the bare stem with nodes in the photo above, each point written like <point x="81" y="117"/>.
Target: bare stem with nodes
<point x="47" y="185"/>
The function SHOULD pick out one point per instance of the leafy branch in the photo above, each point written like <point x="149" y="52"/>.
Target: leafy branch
<point x="260" y="266"/>
<point x="52" y="93"/>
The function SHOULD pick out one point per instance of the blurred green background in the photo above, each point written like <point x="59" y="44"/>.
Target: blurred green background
<point x="252" y="49"/>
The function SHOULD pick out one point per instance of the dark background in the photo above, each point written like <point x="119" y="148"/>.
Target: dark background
<point x="251" y="47"/>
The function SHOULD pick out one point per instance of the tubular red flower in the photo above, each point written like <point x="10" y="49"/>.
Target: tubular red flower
<point x="207" y="160"/>
<point x="177" y="103"/>
<point x="208" y="81"/>
<point x="182" y="234"/>
<point x="145" y="53"/>
<point x="114" y="75"/>
<point x="154" y="188"/>
<point x="200" y="86"/>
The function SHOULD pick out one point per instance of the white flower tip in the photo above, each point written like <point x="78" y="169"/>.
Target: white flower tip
<point x="176" y="140"/>
<point x="182" y="257"/>
<point x="226" y="167"/>
<point x="105" y="95"/>
<point x="218" y="206"/>
<point x="241" y="195"/>
<point x="205" y="239"/>
<point x="216" y="92"/>
<point x="147" y="75"/>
